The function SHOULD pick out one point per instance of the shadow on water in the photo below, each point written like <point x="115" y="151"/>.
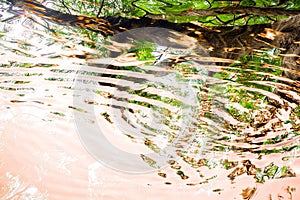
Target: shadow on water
<point x="241" y="128"/>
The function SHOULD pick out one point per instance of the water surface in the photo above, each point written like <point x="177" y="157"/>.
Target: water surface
<point x="240" y="117"/>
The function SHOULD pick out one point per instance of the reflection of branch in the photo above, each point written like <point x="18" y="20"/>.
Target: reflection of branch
<point x="249" y="10"/>
<point x="65" y="6"/>
<point x="287" y="24"/>
<point x="235" y="18"/>
<point x="91" y="23"/>
<point x="99" y="11"/>
<point x="220" y="38"/>
<point x="242" y="10"/>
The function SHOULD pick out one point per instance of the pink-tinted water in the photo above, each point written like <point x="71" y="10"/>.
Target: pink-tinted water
<point x="42" y="157"/>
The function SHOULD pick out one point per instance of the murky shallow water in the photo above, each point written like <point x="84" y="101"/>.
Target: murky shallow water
<point x="242" y="138"/>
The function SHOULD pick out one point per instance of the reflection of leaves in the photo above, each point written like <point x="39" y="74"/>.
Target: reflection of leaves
<point x="152" y="145"/>
<point x="247" y="3"/>
<point x="228" y="164"/>
<point x="58" y="113"/>
<point x="272" y="171"/>
<point x="164" y="175"/>
<point x="248" y="193"/>
<point x="247" y="167"/>
<point x="182" y="175"/>
<point x="154" y="7"/>
<point x="297" y="111"/>
<point x="148" y="160"/>
<point x="178" y="10"/>
<point x="144" y="50"/>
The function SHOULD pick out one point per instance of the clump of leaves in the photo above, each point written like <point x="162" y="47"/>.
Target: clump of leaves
<point x="297" y="111"/>
<point x="144" y="50"/>
<point x="272" y="171"/>
<point x="171" y="101"/>
<point x="58" y="113"/>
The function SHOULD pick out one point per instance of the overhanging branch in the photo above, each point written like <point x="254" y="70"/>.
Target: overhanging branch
<point x="248" y="10"/>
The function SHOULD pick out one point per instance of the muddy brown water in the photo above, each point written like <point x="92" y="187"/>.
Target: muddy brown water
<point x="242" y="140"/>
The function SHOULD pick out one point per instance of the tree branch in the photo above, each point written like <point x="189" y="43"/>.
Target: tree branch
<point x="248" y="10"/>
<point x="238" y="37"/>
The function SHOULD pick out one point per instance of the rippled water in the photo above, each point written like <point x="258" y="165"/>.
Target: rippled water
<point x="200" y="125"/>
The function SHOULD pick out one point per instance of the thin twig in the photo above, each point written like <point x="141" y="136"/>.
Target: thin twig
<point x="65" y="6"/>
<point x="101" y="6"/>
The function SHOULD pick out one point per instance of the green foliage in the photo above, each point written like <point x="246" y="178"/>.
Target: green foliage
<point x="261" y="3"/>
<point x="251" y="70"/>
<point x="296" y="4"/>
<point x="259" y="61"/>
<point x="133" y="68"/>
<point x="297" y="111"/>
<point x="167" y="100"/>
<point x="144" y="50"/>
<point x="59" y="114"/>
<point x="226" y="164"/>
<point x="271" y="171"/>
<point x="276" y="139"/>
<point x="154" y="7"/>
<point x="241" y="116"/>
<point x="172" y="9"/>
<point x="186" y="67"/>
